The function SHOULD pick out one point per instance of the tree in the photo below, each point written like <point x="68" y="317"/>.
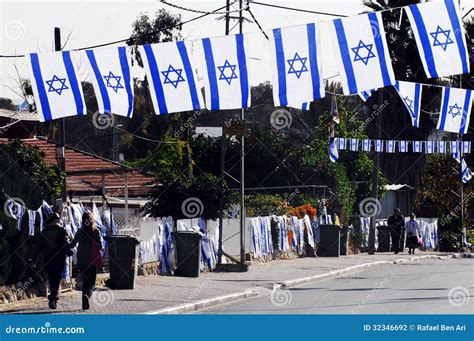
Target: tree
<point x="6" y="103"/>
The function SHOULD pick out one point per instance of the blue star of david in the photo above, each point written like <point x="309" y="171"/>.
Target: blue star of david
<point x="357" y="49"/>
<point x="116" y="80"/>
<point x="455" y="110"/>
<point x="178" y="78"/>
<point x="409" y="102"/>
<point x="302" y="62"/>
<point x="223" y="75"/>
<point x="437" y="42"/>
<point x="62" y="83"/>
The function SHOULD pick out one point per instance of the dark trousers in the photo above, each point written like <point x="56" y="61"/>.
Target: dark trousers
<point x="55" y="268"/>
<point x="89" y="275"/>
<point x="396" y="236"/>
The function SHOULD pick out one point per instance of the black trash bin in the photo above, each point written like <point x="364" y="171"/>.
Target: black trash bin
<point x="329" y="245"/>
<point x="123" y="261"/>
<point x="188" y="253"/>
<point x="344" y="241"/>
<point x="383" y="238"/>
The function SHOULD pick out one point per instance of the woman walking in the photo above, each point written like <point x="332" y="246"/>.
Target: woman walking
<point x="89" y="257"/>
<point x="413" y="233"/>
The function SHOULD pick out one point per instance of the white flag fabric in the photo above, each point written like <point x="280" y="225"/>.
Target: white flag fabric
<point x="110" y="72"/>
<point x="442" y="147"/>
<point x="466" y="147"/>
<point x="341" y="143"/>
<point x="417" y="146"/>
<point x="295" y="55"/>
<point x="354" y="145"/>
<point x="410" y="94"/>
<point x="378" y="146"/>
<point x="390" y="146"/>
<point x="366" y="145"/>
<point x="56" y="87"/>
<point x="429" y="147"/>
<point x="456" y="105"/>
<point x="402" y="146"/>
<point x="333" y="152"/>
<point x="362" y="54"/>
<point x="440" y="38"/>
<point x="224" y="64"/>
<point x="171" y="76"/>
<point x="454" y="147"/>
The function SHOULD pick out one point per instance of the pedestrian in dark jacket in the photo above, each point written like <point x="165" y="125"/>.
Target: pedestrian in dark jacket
<point x="396" y="223"/>
<point x="54" y="247"/>
<point x="89" y="256"/>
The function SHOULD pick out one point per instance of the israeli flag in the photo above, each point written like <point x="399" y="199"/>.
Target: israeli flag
<point x="402" y="146"/>
<point x="456" y="105"/>
<point x="465" y="172"/>
<point x="354" y="145"/>
<point x="454" y="147"/>
<point x="378" y="146"/>
<point x="466" y="147"/>
<point x="224" y="63"/>
<point x="341" y="143"/>
<point x="56" y="86"/>
<point x="410" y="94"/>
<point x="295" y="55"/>
<point x="365" y="95"/>
<point x="390" y="146"/>
<point x="417" y="147"/>
<point x="333" y="152"/>
<point x="429" y="147"/>
<point x="366" y="145"/>
<point x="112" y="79"/>
<point x="442" y="147"/>
<point x="362" y="53"/>
<point x="171" y="76"/>
<point x="440" y="37"/>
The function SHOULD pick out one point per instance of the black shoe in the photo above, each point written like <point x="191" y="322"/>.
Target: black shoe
<point x="85" y="302"/>
<point x="53" y="305"/>
<point x="395" y="253"/>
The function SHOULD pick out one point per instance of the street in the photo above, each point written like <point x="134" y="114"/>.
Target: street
<point x="410" y="288"/>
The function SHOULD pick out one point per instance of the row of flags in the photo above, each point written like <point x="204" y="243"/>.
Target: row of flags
<point x="177" y="71"/>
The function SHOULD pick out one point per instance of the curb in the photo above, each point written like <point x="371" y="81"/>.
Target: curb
<point x="207" y="303"/>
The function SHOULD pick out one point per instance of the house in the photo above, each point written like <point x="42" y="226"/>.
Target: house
<point x="396" y="196"/>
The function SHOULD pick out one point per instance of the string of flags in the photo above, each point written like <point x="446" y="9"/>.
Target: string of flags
<point x="175" y="70"/>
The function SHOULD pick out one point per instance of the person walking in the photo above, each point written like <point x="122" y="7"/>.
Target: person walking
<point x="396" y="222"/>
<point x="413" y="233"/>
<point x="54" y="247"/>
<point x="89" y="257"/>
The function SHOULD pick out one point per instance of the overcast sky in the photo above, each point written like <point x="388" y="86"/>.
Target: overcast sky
<point x="27" y="26"/>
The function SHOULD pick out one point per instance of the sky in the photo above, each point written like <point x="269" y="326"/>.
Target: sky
<point x="27" y="26"/>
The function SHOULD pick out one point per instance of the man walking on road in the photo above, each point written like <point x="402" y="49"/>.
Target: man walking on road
<point x="396" y="223"/>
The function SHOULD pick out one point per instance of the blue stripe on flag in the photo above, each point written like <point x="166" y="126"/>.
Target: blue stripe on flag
<point x="43" y="97"/>
<point x="124" y="64"/>
<point x="71" y="74"/>
<point x="346" y="58"/>
<point x="458" y="33"/>
<point x="465" y="112"/>
<point x="313" y="60"/>
<point x="397" y="85"/>
<point x="244" y="79"/>
<point x="211" y="73"/>
<point x="100" y="80"/>
<point x="155" y="77"/>
<point x="444" y="108"/>
<point x="375" y="25"/>
<point x="304" y="106"/>
<point x="416" y="113"/>
<point x="425" y="42"/>
<point x="189" y="74"/>
<point x="280" y="62"/>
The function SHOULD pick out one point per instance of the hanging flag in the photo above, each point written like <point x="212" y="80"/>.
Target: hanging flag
<point x="410" y="94"/>
<point x="295" y="55"/>
<point x="341" y="143"/>
<point x="365" y="95"/>
<point x="171" y="77"/>
<point x="335" y="110"/>
<point x="402" y="146"/>
<point x="110" y="72"/>
<point x="466" y="174"/>
<point x="456" y="105"/>
<point x="354" y="145"/>
<point x="366" y="145"/>
<point x="225" y="71"/>
<point x="466" y="147"/>
<point x="362" y="54"/>
<point x="454" y="147"/>
<point x="31" y="222"/>
<point x="333" y="152"/>
<point x="440" y="38"/>
<point x="417" y="147"/>
<point x="378" y="146"/>
<point x="441" y="147"/>
<point x="55" y="84"/>
<point x="15" y="211"/>
<point x="390" y="146"/>
<point x="429" y="147"/>
<point x="305" y="106"/>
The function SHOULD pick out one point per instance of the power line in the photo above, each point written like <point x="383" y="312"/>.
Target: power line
<point x="199" y="11"/>
<point x="258" y="24"/>
<point x="297" y="9"/>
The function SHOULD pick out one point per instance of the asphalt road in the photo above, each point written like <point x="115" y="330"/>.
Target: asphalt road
<point x="426" y="287"/>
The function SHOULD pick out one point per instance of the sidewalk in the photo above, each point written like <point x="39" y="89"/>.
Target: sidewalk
<point x="154" y="293"/>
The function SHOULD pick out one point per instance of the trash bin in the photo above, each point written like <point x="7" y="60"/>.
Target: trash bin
<point x="344" y="241"/>
<point x="123" y="261"/>
<point x="383" y="238"/>
<point x="188" y="253"/>
<point x="329" y="245"/>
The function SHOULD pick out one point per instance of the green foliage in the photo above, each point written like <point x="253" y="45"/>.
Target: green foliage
<point x="264" y="205"/>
